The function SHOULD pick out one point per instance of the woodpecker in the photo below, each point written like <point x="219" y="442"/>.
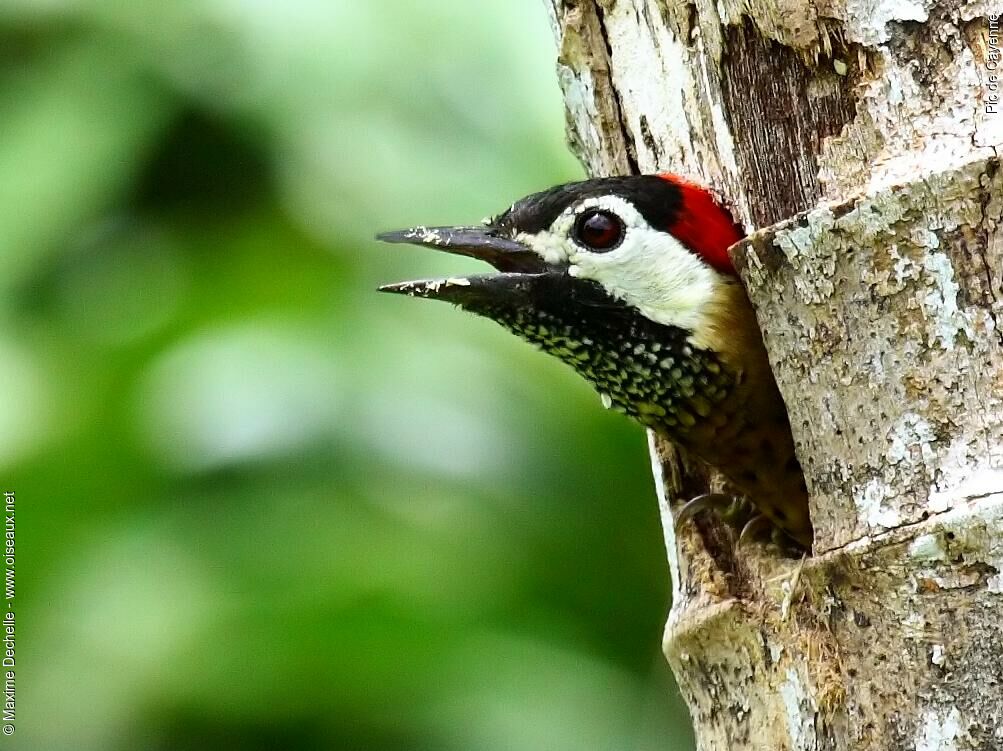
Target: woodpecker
<point x="629" y="281"/>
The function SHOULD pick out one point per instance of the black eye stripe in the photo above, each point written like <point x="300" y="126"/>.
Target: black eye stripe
<point x="598" y="230"/>
<point x="659" y="201"/>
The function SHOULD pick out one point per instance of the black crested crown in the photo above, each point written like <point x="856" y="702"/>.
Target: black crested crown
<point x="658" y="201"/>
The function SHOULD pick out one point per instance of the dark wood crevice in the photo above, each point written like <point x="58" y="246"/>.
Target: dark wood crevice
<point x="779" y="115"/>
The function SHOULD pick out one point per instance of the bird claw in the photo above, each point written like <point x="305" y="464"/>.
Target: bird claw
<point x="737" y="512"/>
<point x="754" y="528"/>
<point x="703" y="502"/>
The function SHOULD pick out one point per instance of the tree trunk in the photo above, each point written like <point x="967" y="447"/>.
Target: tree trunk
<point x="859" y="140"/>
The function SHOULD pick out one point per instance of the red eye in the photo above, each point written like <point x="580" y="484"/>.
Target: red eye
<point x="598" y="230"/>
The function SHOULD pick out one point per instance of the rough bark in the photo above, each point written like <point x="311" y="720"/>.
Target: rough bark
<point x="856" y="139"/>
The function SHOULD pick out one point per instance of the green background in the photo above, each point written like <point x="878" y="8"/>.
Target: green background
<point x="261" y="506"/>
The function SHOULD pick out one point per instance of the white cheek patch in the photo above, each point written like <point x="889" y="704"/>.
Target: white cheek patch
<point x="650" y="270"/>
<point x="553" y="245"/>
<point x="653" y="272"/>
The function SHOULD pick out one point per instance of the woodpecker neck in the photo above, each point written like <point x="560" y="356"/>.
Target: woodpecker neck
<point x="650" y="371"/>
<point x="712" y="394"/>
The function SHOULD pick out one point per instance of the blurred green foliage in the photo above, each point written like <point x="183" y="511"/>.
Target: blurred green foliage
<point x="261" y="506"/>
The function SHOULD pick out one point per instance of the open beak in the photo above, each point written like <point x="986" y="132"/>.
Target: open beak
<point x="521" y="268"/>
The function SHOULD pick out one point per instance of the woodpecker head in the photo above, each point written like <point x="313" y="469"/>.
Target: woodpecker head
<point x="628" y="280"/>
<point x="653" y="245"/>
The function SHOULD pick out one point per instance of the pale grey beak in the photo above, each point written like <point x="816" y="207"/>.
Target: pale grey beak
<point x="476" y="242"/>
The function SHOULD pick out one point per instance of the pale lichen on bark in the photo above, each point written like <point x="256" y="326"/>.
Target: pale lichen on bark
<point x="882" y="327"/>
<point x="881" y="307"/>
<point x="820" y="100"/>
